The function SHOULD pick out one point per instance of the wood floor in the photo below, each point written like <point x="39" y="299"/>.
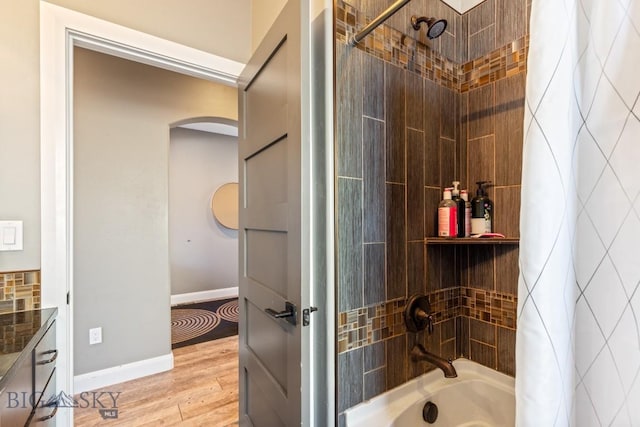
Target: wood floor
<point x="201" y="390"/>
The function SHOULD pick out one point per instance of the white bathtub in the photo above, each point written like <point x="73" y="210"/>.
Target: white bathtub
<point x="478" y="397"/>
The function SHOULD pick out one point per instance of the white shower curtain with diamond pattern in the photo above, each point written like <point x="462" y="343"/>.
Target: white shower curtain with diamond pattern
<point x="578" y="339"/>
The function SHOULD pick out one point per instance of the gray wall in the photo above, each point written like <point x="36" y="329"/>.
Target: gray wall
<point x="121" y="256"/>
<point x="203" y="253"/>
<point x="20" y="128"/>
<point x="263" y="13"/>
<point x="221" y="27"/>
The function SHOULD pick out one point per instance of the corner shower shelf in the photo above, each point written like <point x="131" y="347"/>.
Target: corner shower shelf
<point x="472" y="241"/>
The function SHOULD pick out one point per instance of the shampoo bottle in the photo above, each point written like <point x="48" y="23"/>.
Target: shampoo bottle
<point x="455" y="196"/>
<point x="447" y="216"/>
<point x="481" y="211"/>
<point x="464" y="195"/>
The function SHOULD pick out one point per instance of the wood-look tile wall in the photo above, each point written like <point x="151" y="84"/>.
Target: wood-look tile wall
<point x="402" y="134"/>
<point x="450" y="45"/>
<point x="490" y="25"/>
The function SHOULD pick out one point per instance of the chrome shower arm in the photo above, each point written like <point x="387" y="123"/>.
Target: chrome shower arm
<point x="357" y="38"/>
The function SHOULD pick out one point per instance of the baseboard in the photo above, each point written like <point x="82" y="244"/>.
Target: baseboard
<point x="204" y="296"/>
<point x="122" y="373"/>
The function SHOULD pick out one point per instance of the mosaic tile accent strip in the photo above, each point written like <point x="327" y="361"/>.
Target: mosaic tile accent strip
<point x="504" y="62"/>
<point x="364" y="326"/>
<point x="491" y="307"/>
<point x="368" y="325"/>
<point x="19" y="291"/>
<point x="445" y="304"/>
<point x="410" y="54"/>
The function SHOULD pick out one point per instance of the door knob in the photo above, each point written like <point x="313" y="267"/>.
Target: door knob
<point x="290" y="313"/>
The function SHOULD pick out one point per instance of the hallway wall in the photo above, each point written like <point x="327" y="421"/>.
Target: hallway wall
<point x="218" y="28"/>
<point x="203" y="253"/>
<point x="122" y="112"/>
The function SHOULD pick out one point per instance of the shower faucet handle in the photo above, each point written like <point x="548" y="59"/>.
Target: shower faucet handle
<point x="427" y="318"/>
<point x="417" y="314"/>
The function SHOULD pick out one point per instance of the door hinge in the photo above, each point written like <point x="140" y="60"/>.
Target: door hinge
<point x="68" y="297"/>
<point x="306" y="315"/>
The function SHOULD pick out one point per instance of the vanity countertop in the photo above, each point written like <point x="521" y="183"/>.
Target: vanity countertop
<point x="19" y="334"/>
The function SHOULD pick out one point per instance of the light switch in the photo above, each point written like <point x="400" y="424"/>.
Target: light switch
<point x="11" y="235"/>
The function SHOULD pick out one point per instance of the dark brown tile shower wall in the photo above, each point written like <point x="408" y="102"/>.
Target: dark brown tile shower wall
<point x="409" y="121"/>
<point x="491" y="25"/>
<point x="491" y="127"/>
<point x="389" y="140"/>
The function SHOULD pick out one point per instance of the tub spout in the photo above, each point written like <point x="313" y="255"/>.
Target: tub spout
<point x="419" y="353"/>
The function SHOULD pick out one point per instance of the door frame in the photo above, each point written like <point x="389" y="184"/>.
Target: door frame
<point x="61" y="30"/>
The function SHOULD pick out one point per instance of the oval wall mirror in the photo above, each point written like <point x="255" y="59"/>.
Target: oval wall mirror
<point x="224" y="205"/>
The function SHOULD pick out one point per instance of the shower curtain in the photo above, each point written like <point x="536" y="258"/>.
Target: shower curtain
<point x="578" y="338"/>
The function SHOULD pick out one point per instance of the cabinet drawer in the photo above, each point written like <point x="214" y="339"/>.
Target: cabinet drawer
<point x="16" y="402"/>
<point x="45" y="415"/>
<point x="44" y="359"/>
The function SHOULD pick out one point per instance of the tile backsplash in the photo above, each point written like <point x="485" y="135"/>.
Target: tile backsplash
<point x="19" y="291"/>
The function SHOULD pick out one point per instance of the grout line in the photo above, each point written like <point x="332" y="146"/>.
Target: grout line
<point x="362" y="207"/>
<point x="364" y="116"/>
<point x="482" y="342"/>
<point x="406" y="188"/>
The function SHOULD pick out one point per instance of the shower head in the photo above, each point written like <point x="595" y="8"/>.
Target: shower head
<point x="435" y="27"/>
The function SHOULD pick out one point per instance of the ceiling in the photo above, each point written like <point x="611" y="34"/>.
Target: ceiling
<point x="211" y="127"/>
<point x="463" y="6"/>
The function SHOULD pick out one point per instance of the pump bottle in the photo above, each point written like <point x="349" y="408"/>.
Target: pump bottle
<point x="481" y="210"/>
<point x="455" y="196"/>
<point x="447" y="216"/>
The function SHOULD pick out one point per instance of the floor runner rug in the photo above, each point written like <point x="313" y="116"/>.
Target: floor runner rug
<point x="203" y="321"/>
